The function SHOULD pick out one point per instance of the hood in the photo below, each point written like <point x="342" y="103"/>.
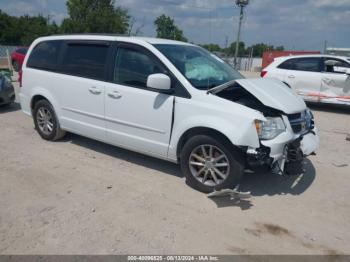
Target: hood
<point x="273" y="93"/>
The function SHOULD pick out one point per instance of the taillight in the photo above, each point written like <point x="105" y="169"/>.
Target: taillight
<point x="263" y="73"/>
<point x="20" y="73"/>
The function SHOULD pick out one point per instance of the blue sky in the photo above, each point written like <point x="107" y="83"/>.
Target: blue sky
<point x="296" y="24"/>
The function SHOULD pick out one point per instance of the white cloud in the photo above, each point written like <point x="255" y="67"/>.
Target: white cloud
<point x="332" y="3"/>
<point x="303" y="24"/>
<point x="19" y="8"/>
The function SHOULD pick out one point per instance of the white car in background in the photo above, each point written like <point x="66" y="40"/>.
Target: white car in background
<point x="317" y="78"/>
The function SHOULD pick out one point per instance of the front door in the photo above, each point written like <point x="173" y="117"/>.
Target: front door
<point x="136" y="117"/>
<point x="335" y="86"/>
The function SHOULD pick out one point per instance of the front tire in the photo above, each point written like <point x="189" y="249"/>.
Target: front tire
<point x="46" y="122"/>
<point x="210" y="164"/>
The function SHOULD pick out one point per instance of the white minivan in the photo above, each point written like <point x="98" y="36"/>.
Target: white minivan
<point x="316" y="78"/>
<point x="167" y="99"/>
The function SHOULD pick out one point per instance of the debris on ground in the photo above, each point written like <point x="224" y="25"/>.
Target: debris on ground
<point x="340" y="165"/>
<point x="233" y="193"/>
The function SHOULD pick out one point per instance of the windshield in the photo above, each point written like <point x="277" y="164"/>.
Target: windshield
<point x="201" y="68"/>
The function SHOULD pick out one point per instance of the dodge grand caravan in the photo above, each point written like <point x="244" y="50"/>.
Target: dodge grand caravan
<point x="166" y="99"/>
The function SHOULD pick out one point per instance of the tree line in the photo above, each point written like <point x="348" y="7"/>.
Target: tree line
<point x="101" y="16"/>
<point x="255" y="50"/>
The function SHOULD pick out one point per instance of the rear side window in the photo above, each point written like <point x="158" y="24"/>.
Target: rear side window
<point x="85" y="60"/>
<point x="310" y="64"/>
<point x="286" y="64"/>
<point x="45" y="55"/>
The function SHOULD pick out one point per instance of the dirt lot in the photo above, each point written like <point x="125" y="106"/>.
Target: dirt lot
<point x="79" y="196"/>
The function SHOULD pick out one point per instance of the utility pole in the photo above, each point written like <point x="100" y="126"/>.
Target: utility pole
<point x="325" y="47"/>
<point x="226" y="45"/>
<point x="241" y="4"/>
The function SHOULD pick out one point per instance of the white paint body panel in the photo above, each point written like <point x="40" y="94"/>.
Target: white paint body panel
<point x="139" y="119"/>
<point x="305" y="84"/>
<point x="142" y="120"/>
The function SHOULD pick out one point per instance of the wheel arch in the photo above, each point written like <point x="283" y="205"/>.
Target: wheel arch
<point x="201" y="130"/>
<point x="35" y="99"/>
<point x="39" y="93"/>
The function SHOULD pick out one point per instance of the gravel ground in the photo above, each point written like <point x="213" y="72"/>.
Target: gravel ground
<point x="79" y="196"/>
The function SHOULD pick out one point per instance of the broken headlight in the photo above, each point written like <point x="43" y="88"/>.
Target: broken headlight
<point x="309" y="117"/>
<point x="269" y="129"/>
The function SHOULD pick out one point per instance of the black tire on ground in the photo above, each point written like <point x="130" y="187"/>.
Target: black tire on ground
<point x="15" y="66"/>
<point x="56" y="132"/>
<point x="233" y="155"/>
<point x="5" y="105"/>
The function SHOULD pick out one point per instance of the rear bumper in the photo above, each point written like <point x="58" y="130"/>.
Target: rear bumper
<point x="25" y="104"/>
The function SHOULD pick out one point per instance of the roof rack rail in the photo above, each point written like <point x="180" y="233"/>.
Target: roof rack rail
<point x="102" y="34"/>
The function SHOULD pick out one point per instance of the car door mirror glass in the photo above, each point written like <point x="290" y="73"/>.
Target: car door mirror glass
<point x="159" y="81"/>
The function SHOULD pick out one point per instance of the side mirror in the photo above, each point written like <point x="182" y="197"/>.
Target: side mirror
<point x="159" y="82"/>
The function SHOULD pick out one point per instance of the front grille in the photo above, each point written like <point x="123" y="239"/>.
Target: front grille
<point x="297" y="128"/>
<point x="292" y="117"/>
<point x="301" y="122"/>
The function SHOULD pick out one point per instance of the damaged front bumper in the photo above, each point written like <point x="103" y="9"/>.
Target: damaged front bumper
<point x="287" y="148"/>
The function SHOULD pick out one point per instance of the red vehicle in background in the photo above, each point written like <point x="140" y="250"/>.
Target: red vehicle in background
<point x="17" y="58"/>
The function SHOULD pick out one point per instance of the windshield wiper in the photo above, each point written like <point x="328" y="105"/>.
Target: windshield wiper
<point x="221" y="87"/>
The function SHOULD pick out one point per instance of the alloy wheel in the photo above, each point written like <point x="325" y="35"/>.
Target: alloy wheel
<point x="209" y="165"/>
<point x="44" y="120"/>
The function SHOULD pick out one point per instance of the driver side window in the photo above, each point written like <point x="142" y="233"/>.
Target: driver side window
<point x="132" y="67"/>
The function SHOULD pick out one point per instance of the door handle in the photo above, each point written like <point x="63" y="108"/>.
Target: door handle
<point x="115" y="95"/>
<point x="94" y="90"/>
<point x="291" y="76"/>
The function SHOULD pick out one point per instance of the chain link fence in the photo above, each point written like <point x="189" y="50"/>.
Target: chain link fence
<point x="252" y="64"/>
<point x="4" y="48"/>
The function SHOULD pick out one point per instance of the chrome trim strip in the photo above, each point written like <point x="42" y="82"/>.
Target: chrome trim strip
<point x="83" y="113"/>
<point x="114" y="120"/>
<point x="134" y="125"/>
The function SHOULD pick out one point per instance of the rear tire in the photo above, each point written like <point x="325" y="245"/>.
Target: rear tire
<point x="210" y="164"/>
<point x="46" y="122"/>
